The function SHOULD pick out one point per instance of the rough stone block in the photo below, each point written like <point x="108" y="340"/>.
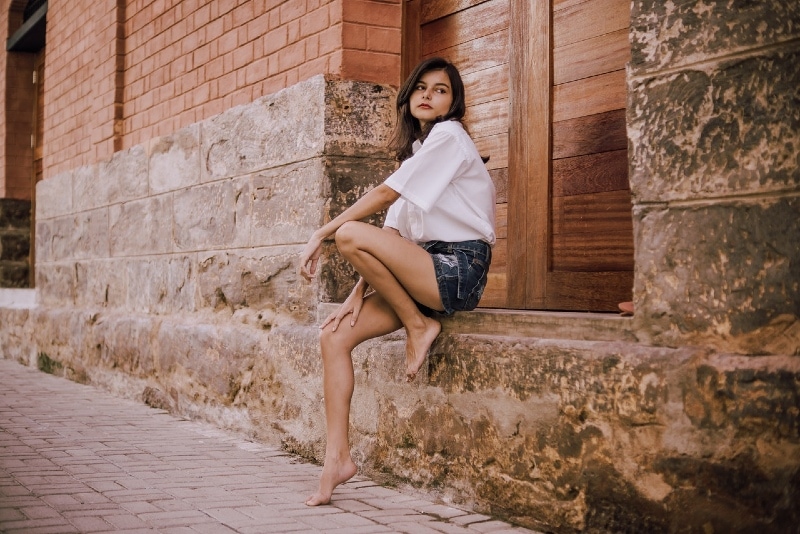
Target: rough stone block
<point x="733" y="129"/>
<point x="206" y="362"/>
<point x="141" y="227"/>
<point x="14" y="274"/>
<point x="126" y="174"/>
<point x="726" y="275"/>
<point x="213" y="216"/>
<point x="669" y="34"/>
<point x="101" y="284"/>
<point x="127" y="343"/>
<point x="55" y="284"/>
<point x="162" y="284"/>
<point x="81" y="236"/>
<point x="89" y="191"/>
<point x="359" y="118"/>
<point x="288" y="203"/>
<point x="275" y="130"/>
<point x="54" y="196"/>
<point x="15" y="245"/>
<point x="15" y="213"/>
<point x="175" y="160"/>
<point x="264" y="280"/>
<point x="16" y="343"/>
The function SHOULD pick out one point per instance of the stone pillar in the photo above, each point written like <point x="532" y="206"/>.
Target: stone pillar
<point x="714" y="129"/>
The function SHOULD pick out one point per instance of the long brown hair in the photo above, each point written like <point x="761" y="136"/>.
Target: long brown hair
<point x="408" y="128"/>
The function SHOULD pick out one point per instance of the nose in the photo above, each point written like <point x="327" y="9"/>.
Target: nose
<point x="426" y="94"/>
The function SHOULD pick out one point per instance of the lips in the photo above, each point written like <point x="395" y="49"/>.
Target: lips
<point x="424" y="106"/>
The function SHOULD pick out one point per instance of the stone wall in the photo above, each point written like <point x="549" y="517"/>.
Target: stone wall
<point x="15" y="242"/>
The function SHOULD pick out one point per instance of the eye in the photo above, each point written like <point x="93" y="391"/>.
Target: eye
<point x="419" y="87"/>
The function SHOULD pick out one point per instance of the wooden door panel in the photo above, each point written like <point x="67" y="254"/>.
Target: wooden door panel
<point x="488" y="119"/>
<point x="496" y="147"/>
<point x="600" y="132"/>
<point x="479" y="54"/>
<point x="463" y="26"/>
<point x="435" y="9"/>
<point x="486" y="85"/>
<point x="594" y="291"/>
<point x="590" y="57"/>
<point x="575" y="22"/>
<point x="592" y="213"/>
<point x="592" y="173"/>
<point x="589" y="96"/>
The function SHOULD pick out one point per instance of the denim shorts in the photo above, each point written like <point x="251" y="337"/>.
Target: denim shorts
<point x="461" y="272"/>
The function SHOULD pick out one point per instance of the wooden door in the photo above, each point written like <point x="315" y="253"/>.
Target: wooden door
<point x="545" y="87"/>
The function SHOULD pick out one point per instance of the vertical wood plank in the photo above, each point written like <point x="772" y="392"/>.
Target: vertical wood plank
<point x="410" y="53"/>
<point x="529" y="152"/>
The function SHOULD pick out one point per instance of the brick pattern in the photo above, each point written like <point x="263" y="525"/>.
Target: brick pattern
<point x="121" y="72"/>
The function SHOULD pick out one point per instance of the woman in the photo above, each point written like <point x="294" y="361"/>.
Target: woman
<point x="432" y="254"/>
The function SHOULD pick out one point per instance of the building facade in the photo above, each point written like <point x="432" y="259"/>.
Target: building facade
<point x="176" y="155"/>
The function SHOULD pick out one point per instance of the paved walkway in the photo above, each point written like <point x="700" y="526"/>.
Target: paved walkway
<point x="74" y="458"/>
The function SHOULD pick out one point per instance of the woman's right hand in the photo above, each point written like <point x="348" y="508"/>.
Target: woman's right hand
<point x="351" y="306"/>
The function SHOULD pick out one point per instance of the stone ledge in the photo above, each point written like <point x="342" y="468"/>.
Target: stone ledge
<point x="17" y="298"/>
<point x="531" y="324"/>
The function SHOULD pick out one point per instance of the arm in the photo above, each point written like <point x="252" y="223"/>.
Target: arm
<point x="376" y="200"/>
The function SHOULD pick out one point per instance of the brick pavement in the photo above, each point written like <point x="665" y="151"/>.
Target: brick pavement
<point x="74" y="458"/>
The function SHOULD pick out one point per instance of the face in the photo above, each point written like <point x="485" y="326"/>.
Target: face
<point x="431" y="97"/>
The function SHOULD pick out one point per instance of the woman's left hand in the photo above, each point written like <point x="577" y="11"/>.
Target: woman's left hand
<point x="309" y="258"/>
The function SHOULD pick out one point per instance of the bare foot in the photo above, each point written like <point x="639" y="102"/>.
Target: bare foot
<point x="333" y="474"/>
<point x="417" y="345"/>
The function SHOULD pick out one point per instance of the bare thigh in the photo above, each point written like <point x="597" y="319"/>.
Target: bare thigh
<point x="408" y="262"/>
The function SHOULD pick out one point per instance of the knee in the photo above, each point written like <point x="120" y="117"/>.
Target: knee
<point x="347" y="236"/>
<point x="330" y="342"/>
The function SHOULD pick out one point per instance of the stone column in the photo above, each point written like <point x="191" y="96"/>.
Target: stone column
<point x="714" y="132"/>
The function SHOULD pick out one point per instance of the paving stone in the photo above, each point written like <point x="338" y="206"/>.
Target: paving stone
<point x="76" y="459"/>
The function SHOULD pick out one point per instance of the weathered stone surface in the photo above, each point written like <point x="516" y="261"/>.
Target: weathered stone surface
<point x="54" y="196"/>
<point x="99" y="284"/>
<point x="55" y="284"/>
<point x="14" y="245"/>
<point x="359" y="118"/>
<point x="287" y="203"/>
<point x="141" y="227"/>
<point x="670" y="34"/>
<point x="14" y="213"/>
<point x="175" y="160"/>
<point x="263" y="279"/>
<point x="16" y="341"/>
<point x="213" y="216"/>
<point x="726" y="275"/>
<point x="162" y="284"/>
<point x="126" y="174"/>
<point x="275" y="130"/>
<point x="732" y="129"/>
<point x="80" y="236"/>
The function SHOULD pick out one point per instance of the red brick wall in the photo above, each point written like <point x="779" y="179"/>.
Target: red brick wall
<point x="120" y="72"/>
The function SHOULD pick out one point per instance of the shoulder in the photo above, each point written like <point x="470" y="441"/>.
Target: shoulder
<point x="451" y="127"/>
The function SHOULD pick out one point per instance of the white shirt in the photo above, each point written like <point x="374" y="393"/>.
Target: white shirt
<point x="446" y="193"/>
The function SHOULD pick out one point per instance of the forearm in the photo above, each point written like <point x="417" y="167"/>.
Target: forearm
<point x="374" y="201"/>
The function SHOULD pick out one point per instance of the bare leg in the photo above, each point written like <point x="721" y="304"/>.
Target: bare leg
<point x="402" y="272"/>
<point x="376" y="319"/>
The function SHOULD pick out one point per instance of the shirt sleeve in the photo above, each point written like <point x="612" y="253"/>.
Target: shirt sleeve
<point x="423" y="177"/>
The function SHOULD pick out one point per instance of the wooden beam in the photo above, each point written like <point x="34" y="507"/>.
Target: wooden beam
<point x="529" y="152"/>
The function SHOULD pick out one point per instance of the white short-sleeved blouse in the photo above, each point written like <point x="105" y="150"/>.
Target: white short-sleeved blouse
<point x="446" y="193"/>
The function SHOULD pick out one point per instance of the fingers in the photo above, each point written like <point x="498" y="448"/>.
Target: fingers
<point x="356" y="310"/>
